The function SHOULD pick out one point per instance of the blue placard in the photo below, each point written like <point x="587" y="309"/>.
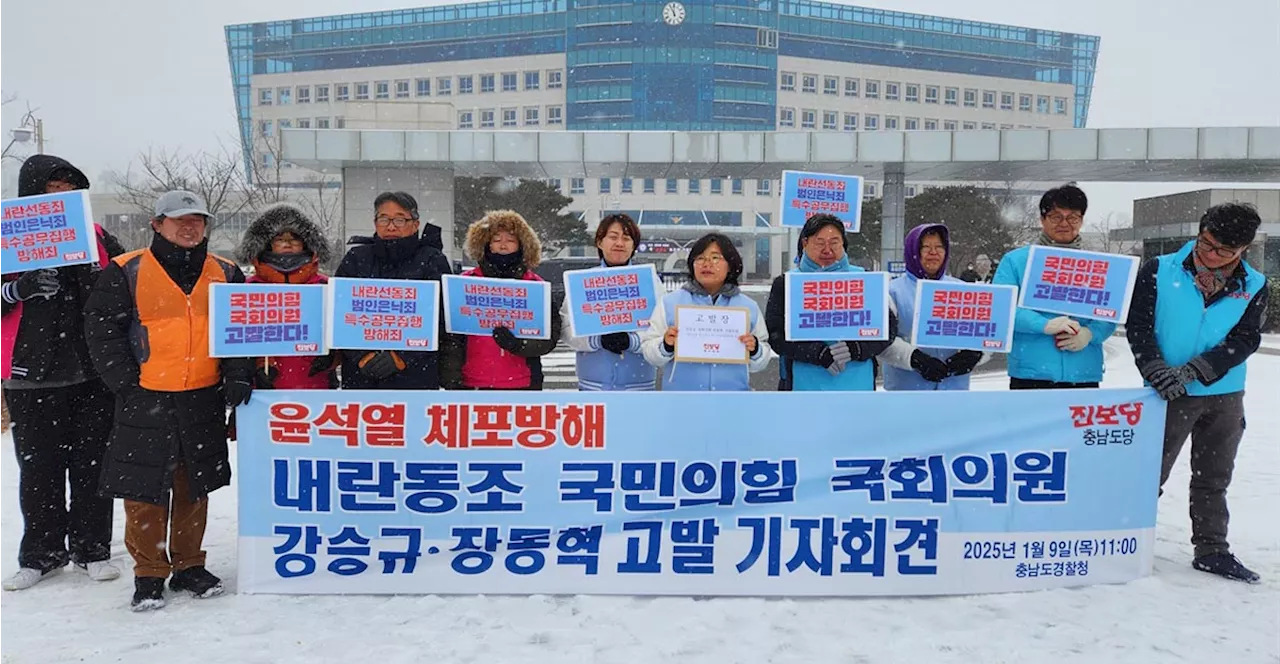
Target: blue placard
<point x="1081" y="284"/>
<point x="806" y="194"/>
<point x="476" y="305"/>
<point x="47" y="231"/>
<point x="383" y="314"/>
<point x="963" y="316"/>
<point x="611" y="299"/>
<point x="837" y="306"/>
<point x="266" y="320"/>
<point x="564" y="493"/>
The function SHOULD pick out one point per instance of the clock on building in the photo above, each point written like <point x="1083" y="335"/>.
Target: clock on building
<point x="673" y="13"/>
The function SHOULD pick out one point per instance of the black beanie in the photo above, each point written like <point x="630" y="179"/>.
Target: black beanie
<point x="814" y="224"/>
<point x="1232" y="224"/>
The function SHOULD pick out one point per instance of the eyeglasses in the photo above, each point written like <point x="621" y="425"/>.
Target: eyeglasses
<point x="1072" y="219"/>
<point x="820" y="246"/>
<point x="1217" y="250"/>
<point x="393" y="222"/>
<point x="709" y="260"/>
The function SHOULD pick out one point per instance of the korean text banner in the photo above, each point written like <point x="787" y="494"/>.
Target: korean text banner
<point x="1082" y="284"/>
<point x="383" y="314"/>
<point x="806" y="194"/>
<point x="476" y="305"/>
<point x="265" y="320"/>
<point x="837" y="306"/>
<point x="50" y="230"/>
<point x="565" y="493"/>
<point x="963" y="316"/>
<point x="611" y="299"/>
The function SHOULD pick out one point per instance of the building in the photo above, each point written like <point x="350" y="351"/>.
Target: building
<point x="759" y="65"/>
<point x="1164" y="223"/>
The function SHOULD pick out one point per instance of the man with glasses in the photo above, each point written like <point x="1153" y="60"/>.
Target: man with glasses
<point x="397" y="251"/>
<point x="1196" y="316"/>
<point x="1052" y="351"/>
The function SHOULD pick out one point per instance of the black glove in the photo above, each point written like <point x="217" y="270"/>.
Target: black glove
<point x="618" y="342"/>
<point x="237" y="391"/>
<point x="265" y="377"/>
<point x="381" y="365"/>
<point x="856" y="352"/>
<point x="322" y="363"/>
<point x="506" y="340"/>
<point x="929" y="367"/>
<point x="37" y="283"/>
<point x="963" y="362"/>
<point x="1169" y="382"/>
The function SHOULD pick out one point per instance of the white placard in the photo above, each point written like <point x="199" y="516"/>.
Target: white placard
<point x="710" y="334"/>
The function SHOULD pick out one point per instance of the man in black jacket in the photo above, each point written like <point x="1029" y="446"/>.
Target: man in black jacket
<point x="397" y="251"/>
<point x="62" y="412"/>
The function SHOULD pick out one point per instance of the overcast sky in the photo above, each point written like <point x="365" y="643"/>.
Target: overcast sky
<point x="113" y="78"/>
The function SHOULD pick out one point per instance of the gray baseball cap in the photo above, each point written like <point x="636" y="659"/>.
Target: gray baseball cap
<point x="178" y="203"/>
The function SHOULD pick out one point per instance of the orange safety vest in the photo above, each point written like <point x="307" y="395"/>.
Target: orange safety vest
<point x="170" y="332"/>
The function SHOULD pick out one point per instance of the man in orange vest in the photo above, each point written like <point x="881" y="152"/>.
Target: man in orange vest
<point x="147" y="325"/>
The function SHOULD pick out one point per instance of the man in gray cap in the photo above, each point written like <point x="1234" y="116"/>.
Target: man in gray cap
<point x="147" y="326"/>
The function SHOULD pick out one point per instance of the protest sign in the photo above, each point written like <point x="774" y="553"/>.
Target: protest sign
<point x="383" y="314"/>
<point x="963" y="316"/>
<point x="806" y="194"/>
<point x="611" y="299"/>
<point x="476" y="305"/>
<point x="1081" y="284"/>
<point x="710" y="334"/>
<point x="47" y="231"/>
<point x="265" y="320"/>
<point x="837" y="306"/>
<point x="563" y="493"/>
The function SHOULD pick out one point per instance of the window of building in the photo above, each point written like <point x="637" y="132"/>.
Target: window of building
<point x="423" y="87"/>
<point x="339" y="122"/>
<point x="382" y="90"/>
<point x="626" y="185"/>
<point x="444" y="86"/>
<point x="949" y="125"/>
<point x="871" y="122"/>
<point x="284" y="96"/>
<point x="717" y="186"/>
<point x="554" y="183"/>
<point x="809" y="83"/>
<point x="304" y="94"/>
<point x="830" y="85"/>
<point x="673" y="186"/>
<point x="509" y="81"/>
<point x="1060" y="105"/>
<point x="911" y="124"/>
<point x="555" y="115"/>
<point x="487" y="83"/>
<point x="1006" y="101"/>
<point x="1006" y="126"/>
<point x="930" y="94"/>
<point x="762" y="187"/>
<point x="851" y="122"/>
<point x="606" y="185"/>
<point x="871" y="89"/>
<point x="268" y="160"/>
<point x="988" y="99"/>
<point x="970" y="98"/>
<point x="266" y="128"/>
<point x="851" y="87"/>
<point x="1042" y="104"/>
<point x="909" y="191"/>
<point x="1024" y="103"/>
<point x="830" y="120"/>
<point x="286" y="124"/>
<point x="508" y="117"/>
<point x="650" y="185"/>
<point x="402" y="89"/>
<point x="786" y="117"/>
<point x="532" y="115"/>
<point x="892" y="91"/>
<point x="362" y="91"/>
<point x="322" y="123"/>
<point x="304" y="123"/>
<point x="341" y="92"/>
<point x="486" y="118"/>
<point x="466" y="84"/>
<point x="264" y="97"/>
<point x="322" y="94"/>
<point x="930" y="125"/>
<point x="577" y="185"/>
<point x="695" y="186"/>
<point x="969" y="126"/>
<point x="808" y="118"/>
<point x="735" y="187"/>
<point x="532" y="80"/>
<point x="891" y="122"/>
<point x="871" y="189"/>
<point x="988" y="125"/>
<point x="951" y="97"/>
<point x="466" y="119"/>
<point x="555" y="79"/>
<point x="787" y="81"/>
<point x="913" y="93"/>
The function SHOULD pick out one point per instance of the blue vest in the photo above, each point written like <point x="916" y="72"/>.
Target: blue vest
<point x="856" y="377"/>
<point x="1186" y="328"/>
<point x="706" y="376"/>
<point x="903" y="292"/>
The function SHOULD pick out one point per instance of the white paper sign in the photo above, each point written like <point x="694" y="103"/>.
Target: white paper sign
<point x="710" y="334"/>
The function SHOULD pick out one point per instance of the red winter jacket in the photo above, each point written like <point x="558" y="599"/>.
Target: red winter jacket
<point x="294" y="371"/>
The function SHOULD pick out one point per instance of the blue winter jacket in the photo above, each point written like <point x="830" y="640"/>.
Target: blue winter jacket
<point x="600" y="370"/>
<point x="704" y="376"/>
<point x="903" y="293"/>
<point x="800" y="368"/>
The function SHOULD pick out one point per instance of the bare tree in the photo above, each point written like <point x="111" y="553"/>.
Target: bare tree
<point x="322" y="201"/>
<point x="1112" y="221"/>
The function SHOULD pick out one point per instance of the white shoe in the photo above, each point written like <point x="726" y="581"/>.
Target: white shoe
<point x="25" y="578"/>
<point x="100" y="570"/>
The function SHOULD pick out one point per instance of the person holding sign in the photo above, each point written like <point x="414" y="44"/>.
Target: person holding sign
<point x="714" y="269"/>
<point x="1052" y="351"/>
<point x="907" y="367"/>
<point x="504" y="246"/>
<point x="147" y="326"/>
<point x="397" y="251"/>
<point x="611" y="362"/>
<point x="61" y="409"/>
<point x="815" y="365"/>
<point x="1196" y="317"/>
<point x="286" y="247"/>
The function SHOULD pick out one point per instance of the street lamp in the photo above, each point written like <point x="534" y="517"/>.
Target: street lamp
<point x="30" y="127"/>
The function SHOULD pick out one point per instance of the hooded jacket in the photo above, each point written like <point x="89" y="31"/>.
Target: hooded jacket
<point x="418" y="258"/>
<point x="704" y="376"/>
<point x="44" y="339"/>
<point x="294" y="372"/>
<point x="898" y="374"/>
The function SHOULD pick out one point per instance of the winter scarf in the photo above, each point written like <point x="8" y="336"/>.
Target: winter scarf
<point x="1047" y="241"/>
<point x="503" y="266"/>
<point x="727" y="290"/>
<point x="807" y="265"/>
<point x="1211" y="280"/>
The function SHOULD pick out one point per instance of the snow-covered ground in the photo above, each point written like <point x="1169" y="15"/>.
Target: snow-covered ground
<point x="1175" y="615"/>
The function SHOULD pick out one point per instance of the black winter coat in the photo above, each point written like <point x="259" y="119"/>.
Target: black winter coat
<point x="411" y="258"/>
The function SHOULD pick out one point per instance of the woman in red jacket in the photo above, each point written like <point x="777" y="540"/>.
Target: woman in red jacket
<point x="286" y="247"/>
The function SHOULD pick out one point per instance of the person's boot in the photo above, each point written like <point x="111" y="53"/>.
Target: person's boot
<point x="148" y="593"/>
<point x="198" y="581"/>
<point x="1227" y="566"/>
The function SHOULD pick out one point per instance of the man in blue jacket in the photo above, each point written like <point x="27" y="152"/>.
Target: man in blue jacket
<point x="1051" y="351"/>
<point x="1196" y="316"/>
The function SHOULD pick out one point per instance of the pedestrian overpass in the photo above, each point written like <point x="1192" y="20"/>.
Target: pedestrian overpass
<point x="425" y="162"/>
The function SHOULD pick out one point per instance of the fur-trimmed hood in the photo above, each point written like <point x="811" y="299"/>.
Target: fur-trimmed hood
<point x="275" y="220"/>
<point x="480" y="232"/>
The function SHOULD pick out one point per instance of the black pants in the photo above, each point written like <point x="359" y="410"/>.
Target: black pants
<point x="1033" y="384"/>
<point x="1216" y="425"/>
<point x="60" y="434"/>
